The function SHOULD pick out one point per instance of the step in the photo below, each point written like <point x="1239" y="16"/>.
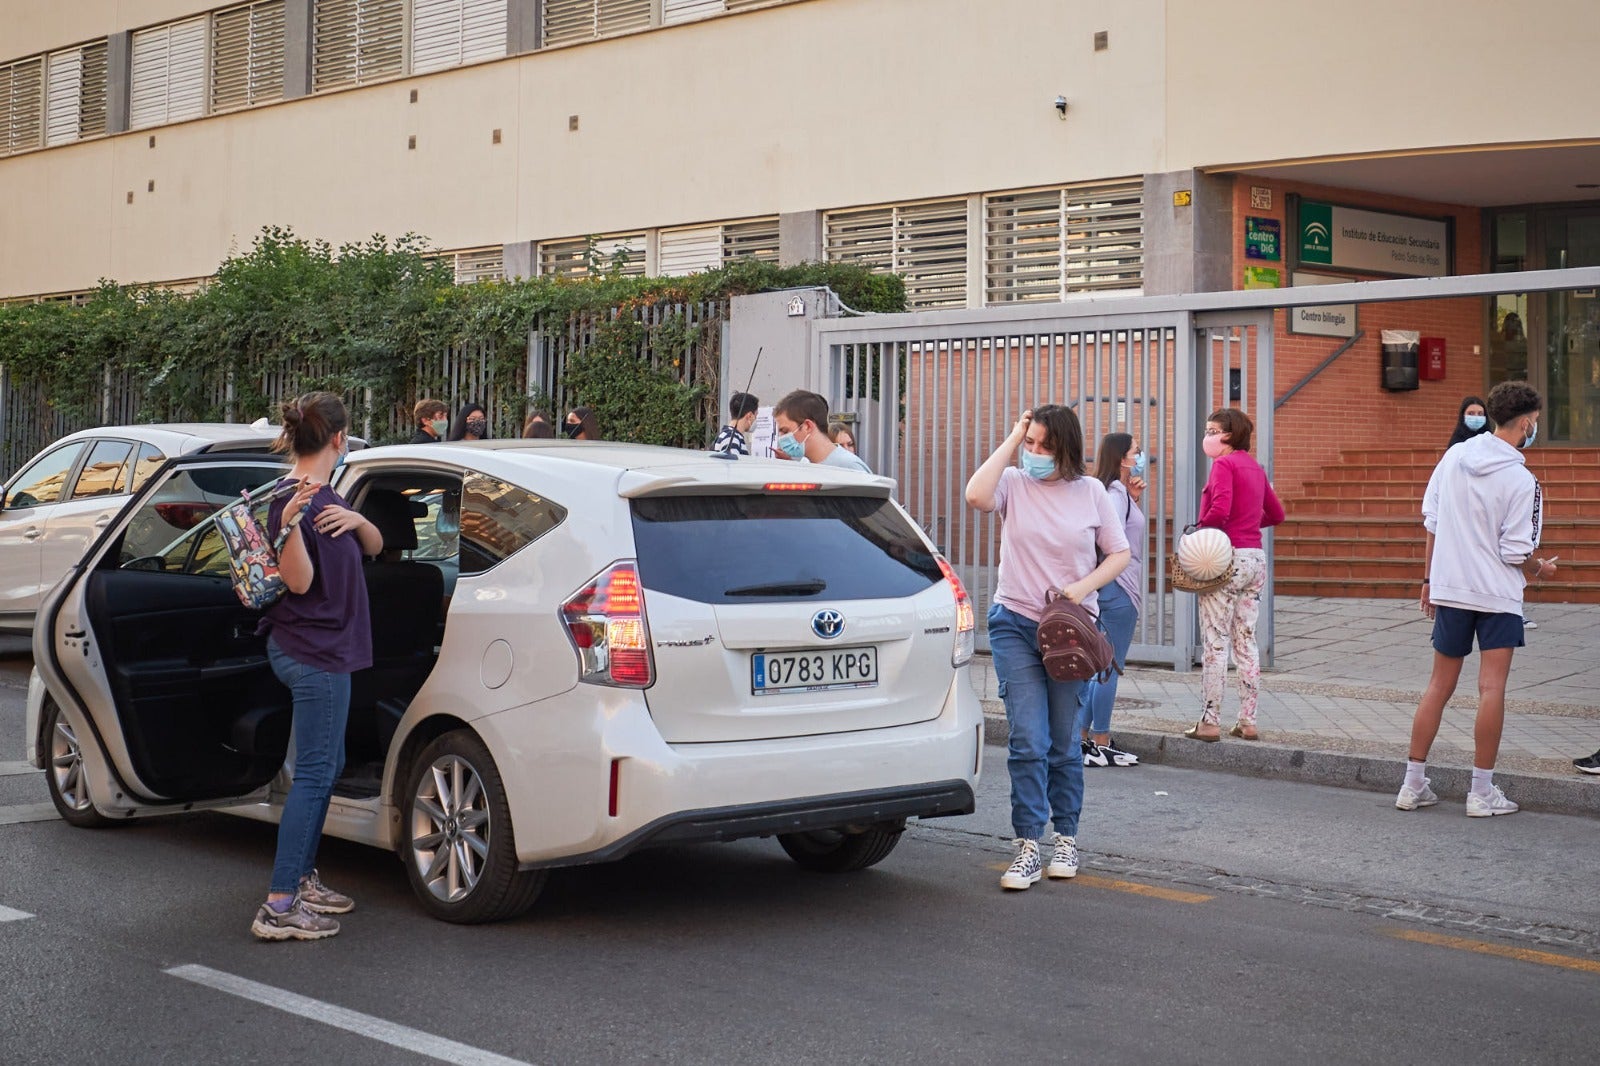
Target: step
<point x="1400" y="567"/>
<point x="1291" y="540"/>
<point x="1407" y="590"/>
<point x="1553" y="454"/>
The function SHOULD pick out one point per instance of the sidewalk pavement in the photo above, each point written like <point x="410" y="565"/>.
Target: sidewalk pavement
<point x="1336" y="706"/>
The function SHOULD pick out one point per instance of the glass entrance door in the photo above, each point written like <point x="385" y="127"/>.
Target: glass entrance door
<point x="1571" y="330"/>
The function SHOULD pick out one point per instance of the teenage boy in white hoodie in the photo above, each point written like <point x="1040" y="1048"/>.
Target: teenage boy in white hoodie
<point x="1482" y="514"/>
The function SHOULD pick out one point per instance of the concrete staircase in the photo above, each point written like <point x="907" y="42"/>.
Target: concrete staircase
<point x="1357" y="530"/>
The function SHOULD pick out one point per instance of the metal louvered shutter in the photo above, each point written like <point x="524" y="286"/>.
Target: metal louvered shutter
<point x="1022" y="249"/>
<point x="620" y="16"/>
<point x="63" y="96"/>
<point x="930" y="252"/>
<point x="684" y="10"/>
<point x="863" y="236"/>
<point x="480" y="264"/>
<point x="567" y="21"/>
<point x="247" y="55"/>
<point x="356" y="41"/>
<point x="1105" y="236"/>
<point x="448" y="33"/>
<point x="21" y="105"/>
<point x="570" y="258"/>
<point x="169" y="73"/>
<point x="755" y="239"/>
<point x="92" y="103"/>
<point x="690" y="251"/>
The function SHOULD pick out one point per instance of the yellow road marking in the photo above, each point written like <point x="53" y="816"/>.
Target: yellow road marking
<point x="1171" y="895"/>
<point x="1484" y="947"/>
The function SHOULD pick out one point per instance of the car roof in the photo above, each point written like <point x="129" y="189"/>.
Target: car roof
<point x="183" y="436"/>
<point x="643" y="468"/>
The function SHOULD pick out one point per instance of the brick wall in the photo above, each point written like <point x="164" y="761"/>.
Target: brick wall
<point x="1345" y="406"/>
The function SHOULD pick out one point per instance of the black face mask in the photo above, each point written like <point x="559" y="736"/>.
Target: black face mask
<point x="572" y="429"/>
<point x="477" y="425"/>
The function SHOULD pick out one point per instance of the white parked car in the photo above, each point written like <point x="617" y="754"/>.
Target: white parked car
<point x="580" y="649"/>
<point x="65" y="496"/>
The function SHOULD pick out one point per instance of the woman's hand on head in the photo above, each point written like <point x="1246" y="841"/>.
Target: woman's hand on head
<point x="1019" y="432"/>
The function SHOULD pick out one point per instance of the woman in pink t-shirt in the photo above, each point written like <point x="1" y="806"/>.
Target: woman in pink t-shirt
<point x="1053" y="519"/>
<point x="1238" y="499"/>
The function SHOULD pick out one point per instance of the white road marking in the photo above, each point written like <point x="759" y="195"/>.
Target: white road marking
<point x="350" y="1021"/>
<point x="9" y="915"/>
<point x="12" y="769"/>
<point x="27" y="812"/>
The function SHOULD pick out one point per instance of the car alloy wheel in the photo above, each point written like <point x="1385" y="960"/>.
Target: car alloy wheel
<point x="69" y="787"/>
<point x="459" y="849"/>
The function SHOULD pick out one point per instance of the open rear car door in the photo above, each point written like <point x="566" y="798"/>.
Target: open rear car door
<point x="151" y="662"/>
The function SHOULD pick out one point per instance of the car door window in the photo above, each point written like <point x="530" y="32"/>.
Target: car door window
<point x="104" y="471"/>
<point x="173" y="525"/>
<point x="139" y="471"/>
<point x="497" y="519"/>
<point x="42" y="480"/>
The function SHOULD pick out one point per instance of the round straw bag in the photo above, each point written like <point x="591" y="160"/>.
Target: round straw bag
<point x="1203" y="561"/>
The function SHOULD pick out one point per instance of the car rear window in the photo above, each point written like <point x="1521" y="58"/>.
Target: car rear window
<point x="767" y="548"/>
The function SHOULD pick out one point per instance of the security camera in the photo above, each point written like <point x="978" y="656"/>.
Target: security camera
<point x="1061" y="105"/>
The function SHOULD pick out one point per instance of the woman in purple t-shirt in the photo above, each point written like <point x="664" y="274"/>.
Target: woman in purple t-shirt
<point x="318" y="634"/>
<point x="1053" y="521"/>
<point x="1238" y="499"/>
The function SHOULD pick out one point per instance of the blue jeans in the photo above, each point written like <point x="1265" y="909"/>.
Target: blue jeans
<point x="321" y="708"/>
<point x="1044" y="759"/>
<point x="1118" y="617"/>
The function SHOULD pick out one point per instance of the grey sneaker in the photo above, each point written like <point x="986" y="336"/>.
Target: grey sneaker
<point x="296" y="923"/>
<point x="1024" y="869"/>
<point x="1412" y="798"/>
<point x="1063" y="857"/>
<point x="320" y="899"/>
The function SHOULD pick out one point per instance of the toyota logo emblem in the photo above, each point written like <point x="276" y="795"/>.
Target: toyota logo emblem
<point x="827" y="624"/>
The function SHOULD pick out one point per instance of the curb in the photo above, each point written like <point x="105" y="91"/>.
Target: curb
<point x="1310" y="766"/>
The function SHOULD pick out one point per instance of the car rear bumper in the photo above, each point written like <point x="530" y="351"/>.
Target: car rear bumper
<point x="787" y="816"/>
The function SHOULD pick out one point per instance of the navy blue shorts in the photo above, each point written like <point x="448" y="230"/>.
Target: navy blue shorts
<point x="1454" y="628"/>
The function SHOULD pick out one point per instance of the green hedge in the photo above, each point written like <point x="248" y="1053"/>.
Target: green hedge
<point x="357" y="317"/>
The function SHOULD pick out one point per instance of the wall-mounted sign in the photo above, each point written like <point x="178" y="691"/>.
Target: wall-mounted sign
<point x="1263" y="238"/>
<point x="1262" y="278"/>
<point x="1373" y="241"/>
<point x="1329" y="320"/>
<point x="797" y="307"/>
<point x="1260" y="198"/>
<point x="1183" y="198"/>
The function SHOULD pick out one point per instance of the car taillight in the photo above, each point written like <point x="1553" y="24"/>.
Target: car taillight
<point x="792" y="486"/>
<point x="605" y="620"/>
<point x="185" y="516"/>
<point x="966" y="620"/>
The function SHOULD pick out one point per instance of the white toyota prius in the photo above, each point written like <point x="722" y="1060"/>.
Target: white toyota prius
<point x="580" y="649"/>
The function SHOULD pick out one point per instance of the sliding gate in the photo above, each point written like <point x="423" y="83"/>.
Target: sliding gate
<point x="935" y="393"/>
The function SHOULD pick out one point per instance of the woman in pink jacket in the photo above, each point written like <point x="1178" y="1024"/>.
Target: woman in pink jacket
<point x="1238" y="499"/>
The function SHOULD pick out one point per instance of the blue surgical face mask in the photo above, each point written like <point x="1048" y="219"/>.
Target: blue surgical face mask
<point x="343" y="453"/>
<point x="1140" y="464"/>
<point x="1474" y="422"/>
<point x="1527" y="442"/>
<point x="1038" y="467"/>
<point x="790" y="447"/>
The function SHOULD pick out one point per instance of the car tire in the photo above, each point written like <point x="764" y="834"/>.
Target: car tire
<point x="835" y="851"/>
<point x="64" y="773"/>
<point x="458" y="847"/>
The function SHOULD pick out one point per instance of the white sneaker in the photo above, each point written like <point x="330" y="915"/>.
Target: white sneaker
<point x="1024" y="869"/>
<point x="1412" y="798"/>
<point x="1063" y="858"/>
<point x="1528" y="623"/>
<point x="1488" y="806"/>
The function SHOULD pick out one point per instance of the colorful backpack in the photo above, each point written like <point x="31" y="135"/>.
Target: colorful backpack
<point x="252" y="555"/>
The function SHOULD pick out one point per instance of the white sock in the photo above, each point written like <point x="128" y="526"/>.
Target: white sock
<point x="1414" y="771"/>
<point x="1482" y="781"/>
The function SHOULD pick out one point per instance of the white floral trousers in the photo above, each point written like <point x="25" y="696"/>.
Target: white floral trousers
<point x="1228" y="616"/>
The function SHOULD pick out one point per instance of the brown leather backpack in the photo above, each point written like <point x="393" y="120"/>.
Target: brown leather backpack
<point x="1071" y="643"/>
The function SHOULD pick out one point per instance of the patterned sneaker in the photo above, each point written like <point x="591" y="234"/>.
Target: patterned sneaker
<point x="320" y="899"/>
<point x="1589" y="764"/>
<point x="1024" y="869"/>
<point x="1119" y="757"/>
<point x="1488" y="806"/>
<point x="1063" y="858"/>
<point x="1412" y="798"/>
<point x="296" y="923"/>
<point x="1095" y="755"/>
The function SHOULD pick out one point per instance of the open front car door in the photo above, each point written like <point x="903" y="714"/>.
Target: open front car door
<point x="154" y="679"/>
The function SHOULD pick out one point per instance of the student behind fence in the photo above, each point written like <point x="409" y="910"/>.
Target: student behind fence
<point x="433" y="421"/>
<point x="1238" y="499"/>
<point x="1120" y="466"/>
<point x="742" y="407"/>
<point x="581" y="424"/>
<point x="1058" y="530"/>
<point x="471" y="423"/>
<point x="842" y="435"/>
<point x="538" y="427"/>
<point x="801" y="420"/>
<point x="318" y="634"/>
<point x="1482" y="511"/>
